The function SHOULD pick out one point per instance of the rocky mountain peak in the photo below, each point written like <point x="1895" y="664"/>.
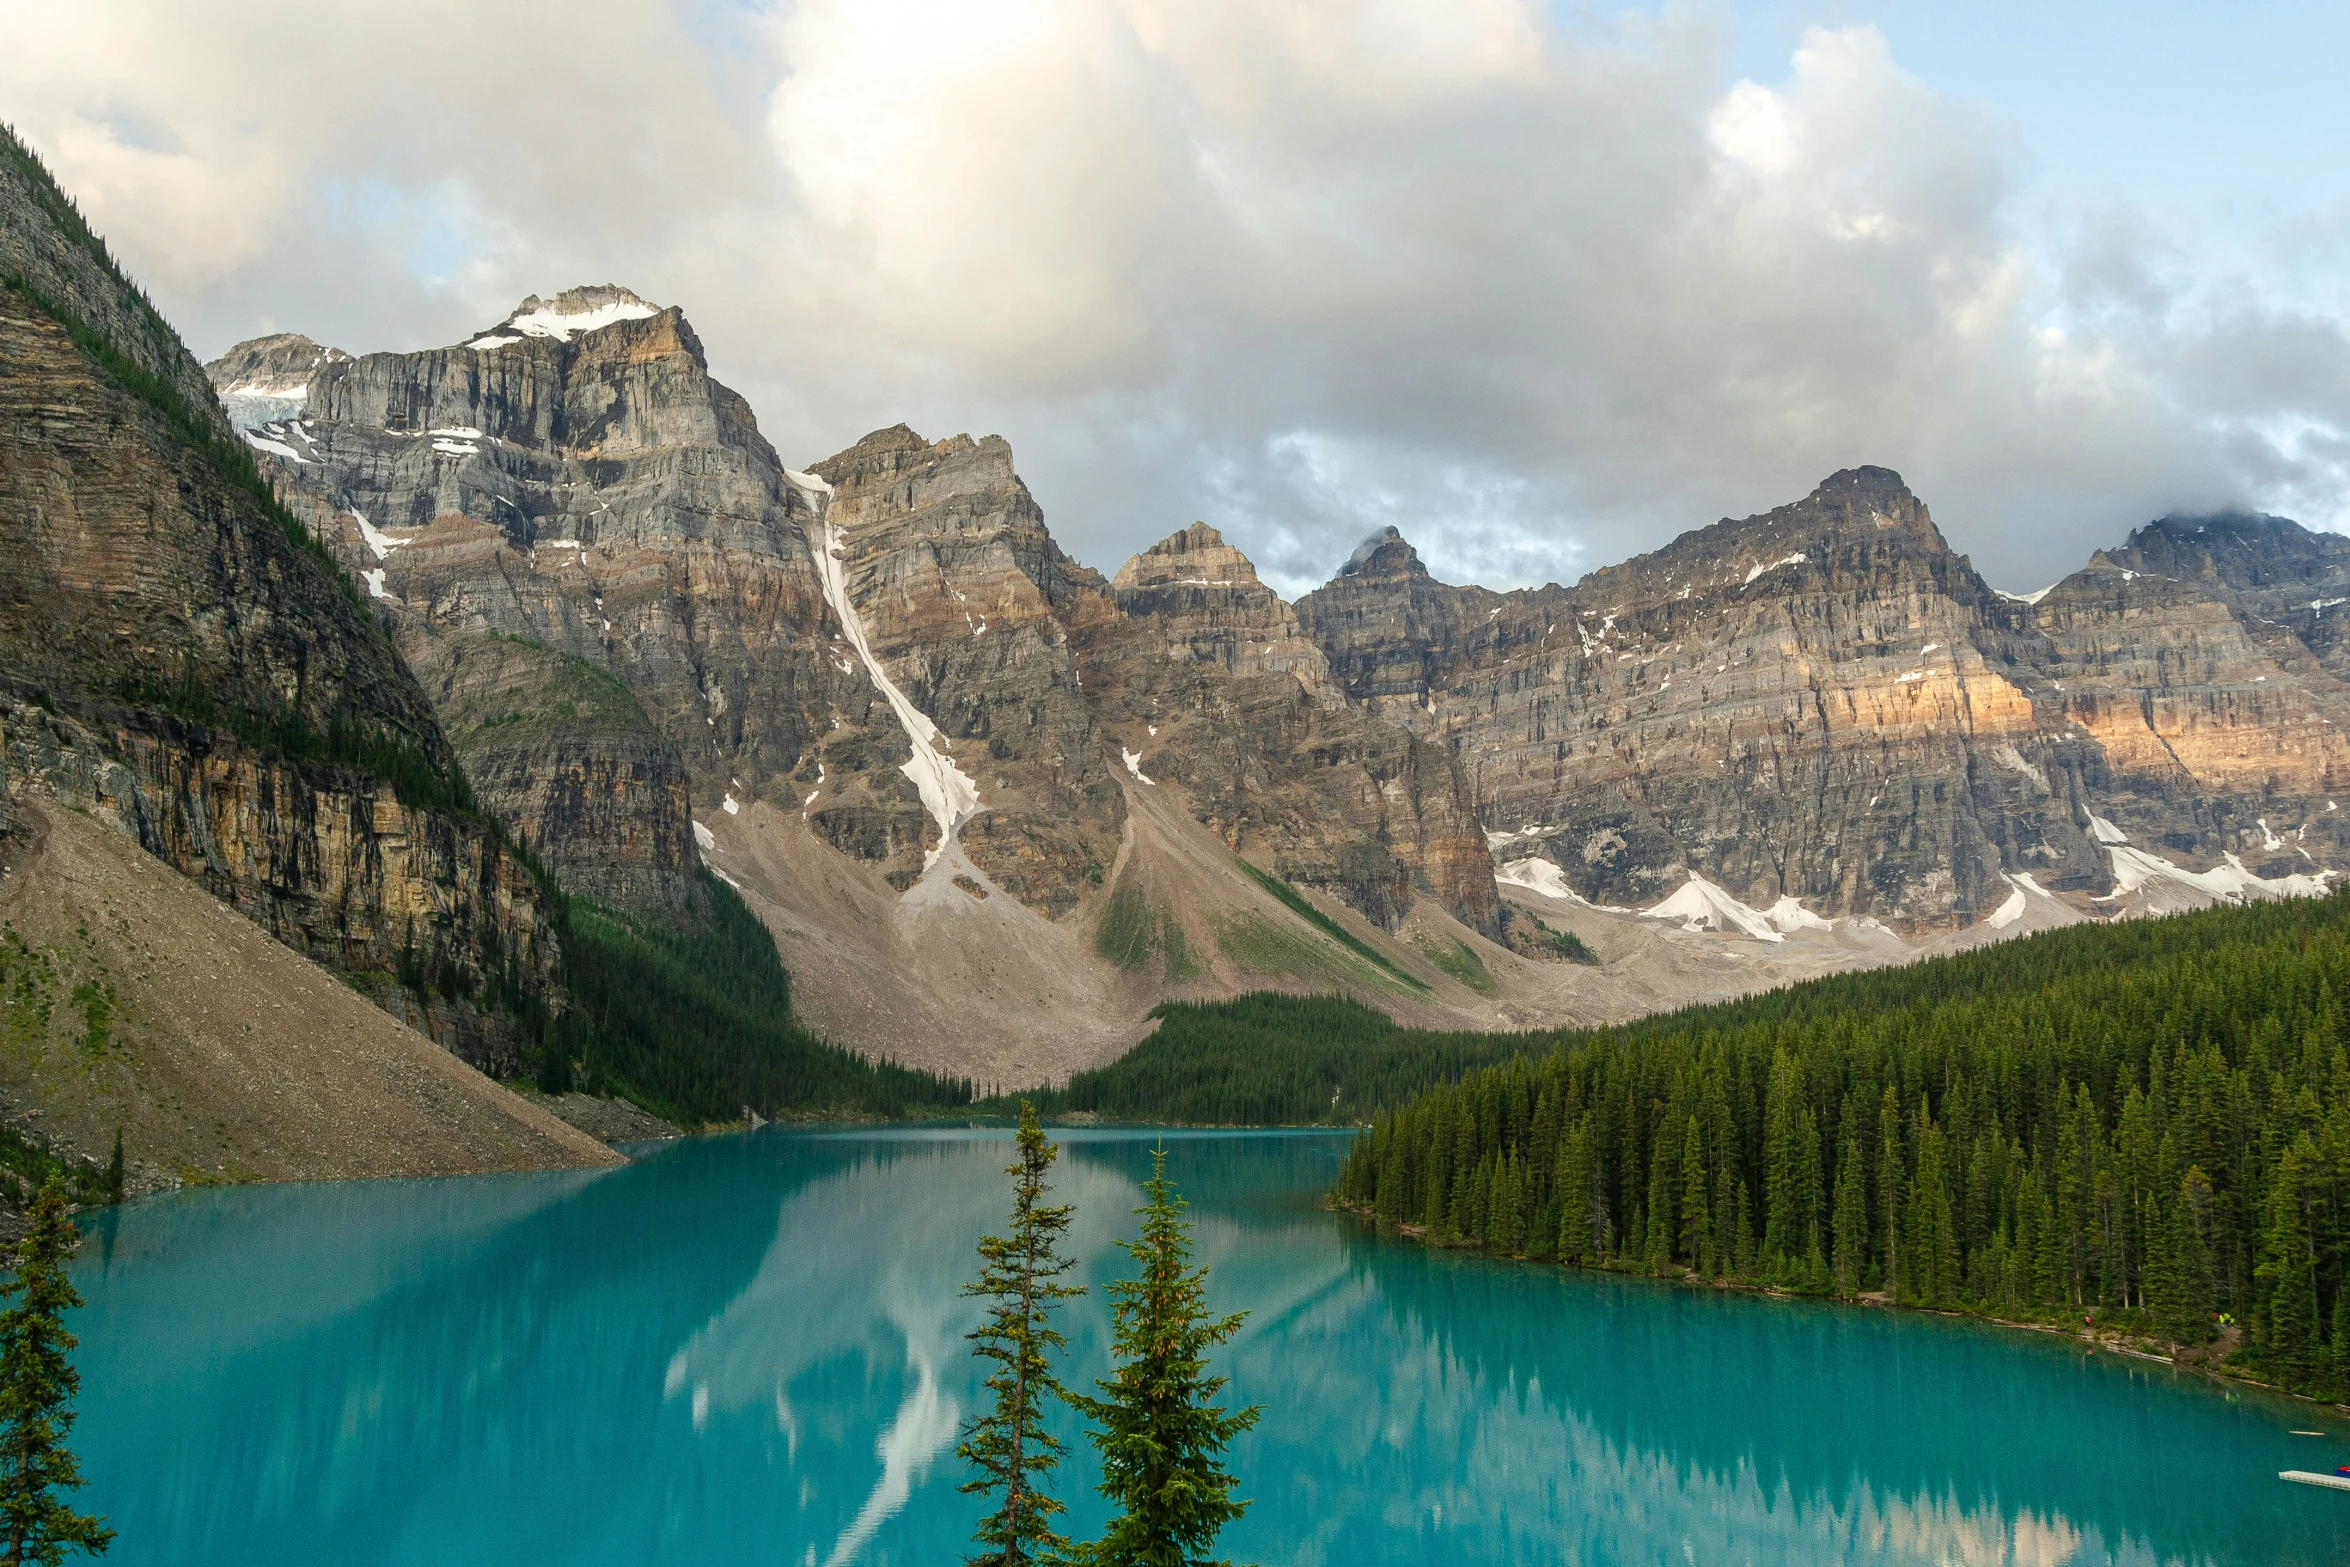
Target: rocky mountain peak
<point x="1195" y="557"/>
<point x="280" y="362"/>
<point x="2236" y="544"/>
<point x="928" y="473"/>
<point x="573" y="313"/>
<point x="1384" y="554"/>
<point x="265" y="379"/>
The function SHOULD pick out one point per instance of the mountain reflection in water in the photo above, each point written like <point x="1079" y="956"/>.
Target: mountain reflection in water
<point x="753" y="1348"/>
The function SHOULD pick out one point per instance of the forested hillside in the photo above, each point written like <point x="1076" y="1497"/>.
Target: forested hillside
<point x="2149" y="1119"/>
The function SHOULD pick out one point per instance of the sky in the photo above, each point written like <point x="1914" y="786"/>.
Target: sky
<point x="1542" y="285"/>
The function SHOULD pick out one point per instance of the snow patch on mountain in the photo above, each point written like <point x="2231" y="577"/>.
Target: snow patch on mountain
<point x="1701" y="906"/>
<point x="573" y="313"/>
<point x="1789" y="915"/>
<point x="2230" y="881"/>
<point x="1755" y="574"/>
<point x="948" y="793"/>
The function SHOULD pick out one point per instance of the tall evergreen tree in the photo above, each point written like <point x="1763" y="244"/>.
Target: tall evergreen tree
<point x="2288" y="1267"/>
<point x="1696" y="1224"/>
<point x="1161" y="1437"/>
<point x="1892" y="1188"/>
<point x="37" y="1385"/>
<point x="1851" y="1221"/>
<point x="1019" y="1278"/>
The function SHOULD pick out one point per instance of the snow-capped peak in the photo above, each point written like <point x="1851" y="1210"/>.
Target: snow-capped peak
<point x="573" y="313"/>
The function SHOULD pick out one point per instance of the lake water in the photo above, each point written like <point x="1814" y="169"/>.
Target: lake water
<point x="750" y="1349"/>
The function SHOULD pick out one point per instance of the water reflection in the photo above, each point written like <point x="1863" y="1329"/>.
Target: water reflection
<point x="755" y="1348"/>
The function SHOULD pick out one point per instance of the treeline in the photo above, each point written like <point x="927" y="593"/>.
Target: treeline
<point x="2149" y="1120"/>
<point x="694" y="1023"/>
<point x="1267" y="1059"/>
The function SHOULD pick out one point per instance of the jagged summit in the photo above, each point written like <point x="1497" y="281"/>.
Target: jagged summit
<point x="573" y="313"/>
<point x="1385" y="553"/>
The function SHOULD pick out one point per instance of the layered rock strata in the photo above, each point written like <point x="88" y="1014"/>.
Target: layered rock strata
<point x="177" y="658"/>
<point x="1200" y="673"/>
<point x="946" y="562"/>
<point x="1826" y="703"/>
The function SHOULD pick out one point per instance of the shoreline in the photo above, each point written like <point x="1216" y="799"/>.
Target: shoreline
<point x="2211" y="1366"/>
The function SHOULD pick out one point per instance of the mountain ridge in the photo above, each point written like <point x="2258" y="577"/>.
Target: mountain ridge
<point x="1816" y="730"/>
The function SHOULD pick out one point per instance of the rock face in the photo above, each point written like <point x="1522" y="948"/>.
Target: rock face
<point x="267" y="380"/>
<point x="579" y="482"/>
<point x="1204" y="678"/>
<point x="1826" y="703"/>
<point x="176" y="657"/>
<point x="946" y="563"/>
<point x="1200" y="598"/>
<point x="565" y="753"/>
<point x="889" y="645"/>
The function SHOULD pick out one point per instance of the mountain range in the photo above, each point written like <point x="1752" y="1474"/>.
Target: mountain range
<point x="407" y="658"/>
<point x="996" y="805"/>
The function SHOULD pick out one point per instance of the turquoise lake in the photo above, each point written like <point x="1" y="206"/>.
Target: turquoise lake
<point x="750" y="1349"/>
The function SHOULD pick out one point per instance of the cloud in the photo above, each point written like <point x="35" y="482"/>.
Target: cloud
<point x="1541" y="297"/>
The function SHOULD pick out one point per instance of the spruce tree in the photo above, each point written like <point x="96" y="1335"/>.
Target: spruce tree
<point x="1161" y="1438"/>
<point x="2289" y="1347"/>
<point x="1575" y="1240"/>
<point x="1696" y="1227"/>
<point x="1851" y="1218"/>
<point x="37" y="1385"/>
<point x="1892" y="1189"/>
<point x="1009" y="1446"/>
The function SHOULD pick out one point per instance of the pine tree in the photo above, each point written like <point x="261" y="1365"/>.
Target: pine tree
<point x="1575" y="1240"/>
<point x="1161" y="1439"/>
<point x="1009" y="1446"/>
<point x="37" y="1385"/>
<point x="1663" y="1209"/>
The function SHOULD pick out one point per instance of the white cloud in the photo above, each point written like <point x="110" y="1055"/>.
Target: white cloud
<point x="1540" y="298"/>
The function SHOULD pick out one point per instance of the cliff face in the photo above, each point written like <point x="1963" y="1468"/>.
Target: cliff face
<point x="565" y="754"/>
<point x="1826" y="703"/>
<point x="267" y="380"/>
<point x="1205" y="681"/>
<point x="946" y="565"/>
<point x="887" y="646"/>
<point x="173" y="656"/>
<point x="1199" y="600"/>
<point x="576" y="483"/>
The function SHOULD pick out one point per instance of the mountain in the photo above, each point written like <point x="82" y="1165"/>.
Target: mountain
<point x="995" y="806"/>
<point x="178" y="657"/>
<point x="268" y="379"/>
<point x="913" y="730"/>
<point x="206" y="742"/>
<point x="1828" y="705"/>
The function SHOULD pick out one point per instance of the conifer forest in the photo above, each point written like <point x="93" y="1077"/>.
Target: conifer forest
<point x="2148" y="1122"/>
